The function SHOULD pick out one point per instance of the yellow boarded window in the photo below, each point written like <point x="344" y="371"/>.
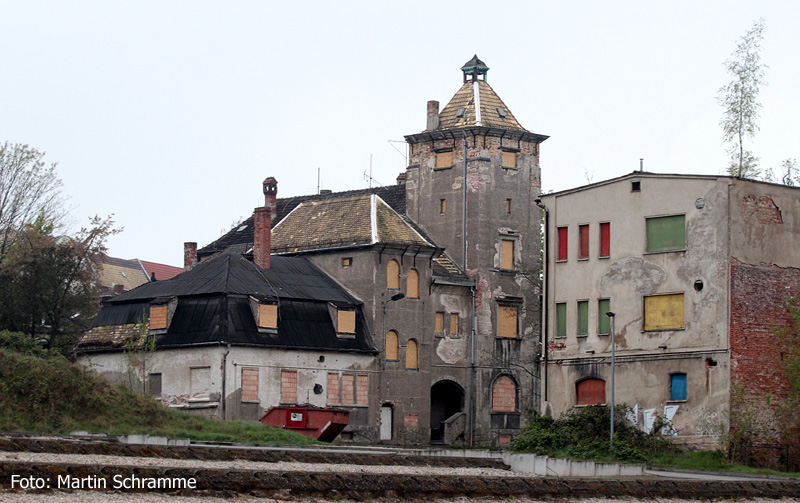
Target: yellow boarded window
<point x="663" y="312"/>
<point x="267" y="316"/>
<point x="158" y="317"/>
<point x="444" y="159"/>
<point x="442" y="206"/>
<point x="413" y="284"/>
<point x="346" y="321"/>
<point x="509" y="159"/>
<point x="454" y="323"/>
<point x="507" y="321"/>
<point x="393" y="275"/>
<point x="507" y="254"/>
<point x="412" y="355"/>
<point x="249" y="385"/>
<point x="391" y="345"/>
<point x="439" y="327"/>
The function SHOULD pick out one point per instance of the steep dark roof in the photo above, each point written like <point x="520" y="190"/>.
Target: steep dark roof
<point x="214" y="306"/>
<point x="242" y="234"/>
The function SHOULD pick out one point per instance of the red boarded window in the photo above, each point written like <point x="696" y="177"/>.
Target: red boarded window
<point x="584" y="241"/>
<point x="562" y="243"/>
<point x="605" y="239"/>
<point x="591" y="392"/>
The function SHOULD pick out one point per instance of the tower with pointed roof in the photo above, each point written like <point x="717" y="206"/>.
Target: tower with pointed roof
<point x="471" y="184"/>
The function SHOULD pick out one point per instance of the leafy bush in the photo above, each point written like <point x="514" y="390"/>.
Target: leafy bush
<point x="583" y="433"/>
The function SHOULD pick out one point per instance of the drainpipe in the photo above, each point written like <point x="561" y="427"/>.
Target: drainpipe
<point x="472" y="371"/>
<point x="464" y="209"/>
<point x="224" y="368"/>
<point x="545" y="289"/>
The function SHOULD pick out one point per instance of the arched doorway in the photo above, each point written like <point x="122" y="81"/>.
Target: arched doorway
<point x="447" y="399"/>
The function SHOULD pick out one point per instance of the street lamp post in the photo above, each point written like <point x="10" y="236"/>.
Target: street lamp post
<point x="612" y="315"/>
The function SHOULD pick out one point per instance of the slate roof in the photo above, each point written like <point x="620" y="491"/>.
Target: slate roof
<point x="343" y="222"/>
<point x="489" y="103"/>
<point x="213" y="306"/>
<point x="242" y="234"/>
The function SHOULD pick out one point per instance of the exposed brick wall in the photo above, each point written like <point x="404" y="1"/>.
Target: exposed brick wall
<point x="348" y="389"/>
<point x="759" y="294"/>
<point x="412" y="420"/>
<point x="288" y="386"/>
<point x="333" y="387"/>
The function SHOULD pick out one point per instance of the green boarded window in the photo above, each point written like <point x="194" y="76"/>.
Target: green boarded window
<point x="561" y="319"/>
<point x="583" y="317"/>
<point x="666" y="233"/>
<point x="604" y="322"/>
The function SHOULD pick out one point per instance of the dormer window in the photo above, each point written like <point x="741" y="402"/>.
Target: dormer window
<point x="265" y="313"/>
<point x="160" y="315"/>
<point x="345" y="322"/>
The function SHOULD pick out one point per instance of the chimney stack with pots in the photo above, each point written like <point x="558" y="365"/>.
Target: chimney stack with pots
<point x="189" y="256"/>
<point x="433" y="115"/>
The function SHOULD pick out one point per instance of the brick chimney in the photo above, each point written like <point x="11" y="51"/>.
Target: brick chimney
<point x="271" y="196"/>
<point x="433" y="115"/>
<point x="118" y="289"/>
<point x="262" y="235"/>
<point x="401" y="179"/>
<point x="189" y="256"/>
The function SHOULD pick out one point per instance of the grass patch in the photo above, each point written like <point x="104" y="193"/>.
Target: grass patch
<point x="42" y="392"/>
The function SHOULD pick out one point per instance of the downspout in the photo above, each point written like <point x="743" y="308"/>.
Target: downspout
<point x="464" y="209"/>
<point x="472" y="371"/>
<point x="224" y="368"/>
<point x="545" y="290"/>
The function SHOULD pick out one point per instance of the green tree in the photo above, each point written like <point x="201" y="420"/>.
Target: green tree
<point x="28" y="190"/>
<point x="47" y="287"/>
<point x="739" y="98"/>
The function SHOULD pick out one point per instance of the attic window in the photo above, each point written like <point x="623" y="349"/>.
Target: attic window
<point x="268" y="316"/>
<point x="501" y="112"/>
<point x="461" y="112"/>
<point x="158" y="317"/>
<point x="345" y="322"/>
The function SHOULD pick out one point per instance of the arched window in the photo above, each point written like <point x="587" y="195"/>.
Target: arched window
<point x="412" y="285"/>
<point x="393" y="275"/>
<point x="412" y="355"/>
<point x="391" y="345"/>
<point x="504" y="395"/>
<point x="591" y="392"/>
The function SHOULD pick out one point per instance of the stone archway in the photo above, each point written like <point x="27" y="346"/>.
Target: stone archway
<point x="447" y="400"/>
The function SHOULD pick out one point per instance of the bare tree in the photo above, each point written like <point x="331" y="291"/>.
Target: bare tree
<point x="739" y="97"/>
<point x="28" y="190"/>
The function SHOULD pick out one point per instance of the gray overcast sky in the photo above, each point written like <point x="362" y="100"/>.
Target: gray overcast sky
<point x="169" y="114"/>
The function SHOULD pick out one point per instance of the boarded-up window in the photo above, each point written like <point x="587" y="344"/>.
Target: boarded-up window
<point x="562" y="243"/>
<point x="158" y="317"/>
<point x="603" y="321"/>
<point x="605" y="239"/>
<point x="267" y="316"/>
<point x="509" y="159"/>
<point x="507" y="254"/>
<point x="391" y="345"/>
<point x="504" y="395"/>
<point x="508" y="206"/>
<point x="288" y="386"/>
<point x="346" y="321"/>
<point x="453" y="323"/>
<point x="333" y="388"/>
<point x="412" y="355"/>
<point x="583" y="317"/>
<point x="591" y="392"/>
<point x="666" y="233"/>
<point x="507" y="321"/>
<point x="393" y="275"/>
<point x="439" y="323"/>
<point x="444" y="160"/>
<point x="677" y="387"/>
<point x="362" y="389"/>
<point x="154" y="385"/>
<point x="561" y="319"/>
<point x="249" y="385"/>
<point x="583" y="235"/>
<point x="348" y="388"/>
<point x="442" y="206"/>
<point x="347" y="261"/>
<point x="663" y="312"/>
<point x="412" y="284"/>
<point x="199" y="383"/>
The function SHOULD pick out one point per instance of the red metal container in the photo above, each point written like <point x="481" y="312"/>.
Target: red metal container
<point x="320" y="424"/>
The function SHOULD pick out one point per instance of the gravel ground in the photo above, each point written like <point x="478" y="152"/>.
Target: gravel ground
<point x="239" y="464"/>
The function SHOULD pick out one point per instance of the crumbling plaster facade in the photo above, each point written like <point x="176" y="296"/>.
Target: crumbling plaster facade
<point x="736" y="233"/>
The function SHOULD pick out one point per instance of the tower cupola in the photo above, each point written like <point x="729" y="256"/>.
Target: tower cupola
<point x="474" y="68"/>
